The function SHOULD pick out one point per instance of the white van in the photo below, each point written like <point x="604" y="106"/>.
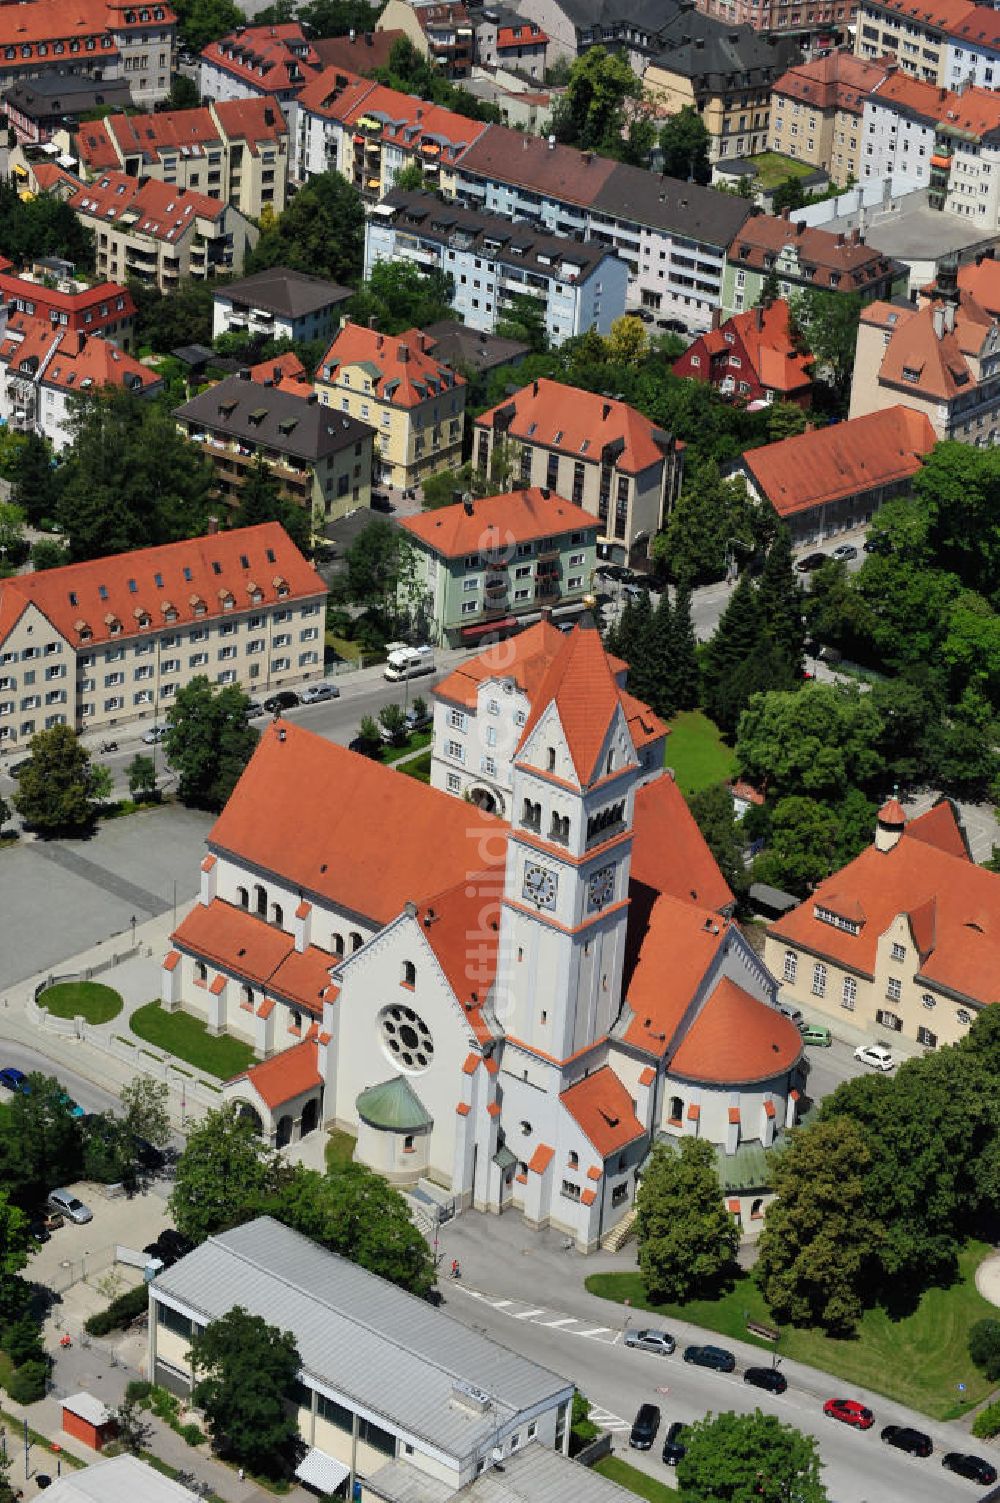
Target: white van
<point x="408" y="662"/>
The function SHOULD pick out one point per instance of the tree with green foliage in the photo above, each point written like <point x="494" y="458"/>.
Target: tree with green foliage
<point x="398" y="295"/>
<point x="260" y="500"/>
<point x="984" y="1347"/>
<point x="801" y="843"/>
<point x="685" y="143"/>
<point x="708" y="514"/>
<point x="202" y="21"/>
<point x="651" y="677"/>
<point x="381" y="577"/>
<point x="54" y="790"/>
<point x="142" y="778"/>
<point x="523" y="318"/>
<point x="827" y="323"/>
<point x="320" y="232"/>
<point x="40" y="1142"/>
<point x="684" y="649"/>
<point x="35" y="481"/>
<point x="5" y="812"/>
<point x="225" y="1176"/>
<point x="410" y="72"/>
<point x="716" y="819"/>
<point x="821" y="1233"/>
<point x="184" y="93"/>
<point x="145" y="1110"/>
<point x="16" y="1241"/>
<point x="209" y="741"/>
<point x="42" y="226"/>
<point x="355" y="1213"/>
<point x="130" y="478"/>
<point x="780" y="597"/>
<point x="132" y="1429"/>
<point x="687" y="1239"/>
<point x="593" y="112"/>
<point x="335" y="18"/>
<point x="368" y="736"/>
<point x="789" y="194"/>
<point x="245" y="1371"/>
<point x="47" y="553"/>
<point x="409" y="178"/>
<point x="626" y="342"/>
<point x="166" y="321"/>
<point x="749" y="1458"/>
<point x="744" y="657"/>
<point x="817" y="740"/>
<point x="785" y="420"/>
<point x="392" y="719"/>
<point x="109" y="1152"/>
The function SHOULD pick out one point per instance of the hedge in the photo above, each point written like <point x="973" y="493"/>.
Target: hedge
<point x="120" y="1313"/>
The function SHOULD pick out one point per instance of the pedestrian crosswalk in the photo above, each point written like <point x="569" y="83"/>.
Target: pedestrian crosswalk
<point x="608" y="1421"/>
<point x="572" y="1325"/>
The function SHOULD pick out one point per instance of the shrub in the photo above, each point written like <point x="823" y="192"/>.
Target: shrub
<point x="120" y="1313"/>
<point x="192" y="1434"/>
<point x="26" y="1384"/>
<point x="22" y="1341"/>
<point x="987" y="1422"/>
<point x="984" y="1347"/>
<point x="138" y="1390"/>
<point x="165" y="1406"/>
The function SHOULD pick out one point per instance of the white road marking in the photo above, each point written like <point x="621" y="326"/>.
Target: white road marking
<point x="594" y="1331"/>
<point x="527" y="1314"/>
<point x="565" y="1320"/>
<point x="501" y="1304"/>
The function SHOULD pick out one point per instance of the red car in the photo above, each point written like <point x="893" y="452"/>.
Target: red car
<point x="850" y="1412"/>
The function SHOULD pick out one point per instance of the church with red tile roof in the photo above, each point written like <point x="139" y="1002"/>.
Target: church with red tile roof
<point x="513" y="997"/>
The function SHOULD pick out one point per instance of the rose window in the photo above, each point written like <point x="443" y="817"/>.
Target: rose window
<point x="406" y="1037"/>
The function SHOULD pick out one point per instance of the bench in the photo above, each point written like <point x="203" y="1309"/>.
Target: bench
<point x="766" y="1333"/>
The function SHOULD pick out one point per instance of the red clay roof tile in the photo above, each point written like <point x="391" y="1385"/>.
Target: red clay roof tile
<point x="603" y="1110"/>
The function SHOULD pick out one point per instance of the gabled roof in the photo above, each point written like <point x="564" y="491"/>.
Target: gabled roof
<point x="981" y="280"/>
<point x="286" y="1075"/>
<point x="54" y="20"/>
<point x="411" y="122"/>
<point x="360" y="53"/>
<point x="602" y="1108"/>
<point x="669" y="854"/>
<point x="73" y="361"/>
<point x="403" y="371"/>
<point x="845" y="459"/>
<point x="241" y="565"/>
<point x="290" y="294"/>
<point x="579" y="423"/>
<point x="581" y="686"/>
<point x="278" y="417"/>
<point x="765" y="339"/>
<point x="953" y="907"/>
<point x="447" y="919"/>
<point x="144" y="206"/>
<point x="241" y="944"/>
<point x="286" y="371"/>
<point x="672" y="942"/>
<point x="935" y="364"/>
<point x="821" y="254"/>
<point x="525" y="658"/>
<point x="274" y="821"/>
<point x="273" y="59"/>
<point x="836" y="81"/>
<point x="493" y="522"/>
<point x="84" y="299"/>
<point x="736" y="1039"/>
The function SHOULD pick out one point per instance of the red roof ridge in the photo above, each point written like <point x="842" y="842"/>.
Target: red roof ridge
<point x="493" y="521"/>
<point x="582" y="687"/>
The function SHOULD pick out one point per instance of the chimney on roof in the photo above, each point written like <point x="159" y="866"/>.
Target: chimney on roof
<point x="213" y="526"/>
<point x="404" y="354"/>
<point x="546" y="613"/>
<point x="716" y="321"/>
<point x="244" y="373"/>
<point x="856" y="237"/>
<point x="606" y="406"/>
<point x="786" y="212"/>
<point x="800" y="227"/>
<point x="544" y="492"/>
<point x="534" y="388"/>
<point x="937" y="319"/>
<point x="840" y="238"/>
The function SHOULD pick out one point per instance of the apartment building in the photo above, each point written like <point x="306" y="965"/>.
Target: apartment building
<point x="601" y="454"/>
<point x="886" y="941"/>
<point x="825" y="21"/>
<point x="491" y="565"/>
<point x="947" y="42"/>
<point x="415" y="403"/>
<point x="98" y="39"/>
<point x="630" y="28"/>
<point x="45" y="369"/>
<point x="578" y="285"/>
<point x="801" y="257"/>
<point x="724" y="72"/>
<point x="50" y="292"/>
<point x="38" y="107"/>
<point x="753" y="357"/>
<point x="942" y="359"/>
<point x="98" y="644"/>
<point x="817" y="112"/>
<point x="672" y="235"/>
<point x="322" y="461"/>
<point x="507" y="40"/>
<point x="155" y="232"/>
<point x="278" y="304"/>
<point x="442" y="31"/>
<point x="270" y="62"/>
<point x="368" y="132"/>
<point x="235" y="150"/>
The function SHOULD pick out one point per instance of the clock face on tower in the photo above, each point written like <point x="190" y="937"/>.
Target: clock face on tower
<point x="601" y="887"/>
<point x="540" y="885"/>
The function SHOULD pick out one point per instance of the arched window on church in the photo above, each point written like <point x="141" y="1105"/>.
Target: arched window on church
<point x="357" y="940"/>
<point x="260" y="900"/>
<point x="200" y="972"/>
<point x="551" y="759"/>
<point x="243" y="897"/>
<point x="246" y="995"/>
<point x="277" y="915"/>
<point x="609" y="766"/>
<point x="337" y="940"/>
<point x="409" y="976"/>
<point x="676" y="1110"/>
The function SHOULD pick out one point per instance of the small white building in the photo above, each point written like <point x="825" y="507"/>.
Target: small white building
<point x="118" y="1479"/>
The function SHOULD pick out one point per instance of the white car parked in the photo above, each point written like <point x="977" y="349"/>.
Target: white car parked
<point x="313" y="693"/>
<point x="876" y="1055"/>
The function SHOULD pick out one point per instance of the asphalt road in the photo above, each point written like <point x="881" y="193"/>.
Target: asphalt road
<point x="91" y="1097"/>
<point x="858" y="1467"/>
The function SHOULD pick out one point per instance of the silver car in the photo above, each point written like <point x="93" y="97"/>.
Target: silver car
<point x="65" y="1203"/>
<point x="651" y="1341"/>
<point x="313" y="693"/>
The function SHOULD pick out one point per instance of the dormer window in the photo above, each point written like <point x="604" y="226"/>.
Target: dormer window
<point x="836" y="920"/>
<point x="113" y="624"/>
<point x="169" y="610"/>
<point x="197" y="605"/>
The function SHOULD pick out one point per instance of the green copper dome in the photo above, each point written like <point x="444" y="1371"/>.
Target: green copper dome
<point x="393" y="1106"/>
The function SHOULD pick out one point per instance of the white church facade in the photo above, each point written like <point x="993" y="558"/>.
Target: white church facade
<point x="512" y="1008"/>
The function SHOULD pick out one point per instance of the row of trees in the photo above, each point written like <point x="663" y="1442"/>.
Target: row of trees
<point x="659" y="647"/>
<point x="875" y="1196"/>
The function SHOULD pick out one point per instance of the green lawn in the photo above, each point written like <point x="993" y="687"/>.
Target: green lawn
<point x="85" y="999"/>
<point x="919" y="1360"/>
<point x="349" y="651"/>
<point x="413" y="743"/>
<point x="697" y="752"/>
<point x="339" y="1148"/>
<point x="419" y="768"/>
<point x="637" y="1482"/>
<point x="772" y="168"/>
<point x="188" y="1038"/>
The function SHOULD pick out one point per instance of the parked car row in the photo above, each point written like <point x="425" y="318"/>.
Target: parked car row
<point x="841" y="555"/>
<point x="914" y="1442"/>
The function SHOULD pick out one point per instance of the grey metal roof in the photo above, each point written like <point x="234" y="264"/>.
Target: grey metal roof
<point x="119" y="1479"/>
<point x="386" y="1351"/>
<point x="272" y="418"/>
<point x="538" y="1475"/>
<point x="291" y="294"/>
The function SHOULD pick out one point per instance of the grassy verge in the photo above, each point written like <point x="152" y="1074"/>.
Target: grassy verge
<point x="339" y="1149"/>
<point x="188" y="1038"/>
<point x="772" y="168"/>
<point x="637" y="1482"/>
<point x="419" y="768"/>
<point x="697" y="752"/>
<point x="413" y="743"/>
<point x="85" y="999"/>
<point x="919" y="1360"/>
<point x="349" y="651"/>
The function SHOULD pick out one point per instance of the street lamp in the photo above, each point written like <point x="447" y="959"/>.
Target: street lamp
<point x="132" y="922"/>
